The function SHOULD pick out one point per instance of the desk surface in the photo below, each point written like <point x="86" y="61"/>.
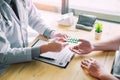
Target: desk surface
<point x="36" y="70"/>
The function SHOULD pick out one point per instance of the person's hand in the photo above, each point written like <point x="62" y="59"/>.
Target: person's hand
<point x="54" y="46"/>
<point x="61" y="36"/>
<point x="84" y="47"/>
<point x="94" y="68"/>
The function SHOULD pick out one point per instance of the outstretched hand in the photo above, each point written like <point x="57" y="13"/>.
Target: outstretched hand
<point x="84" y="47"/>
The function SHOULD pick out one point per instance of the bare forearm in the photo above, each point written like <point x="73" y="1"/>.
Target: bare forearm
<point x="111" y="44"/>
<point x="107" y="77"/>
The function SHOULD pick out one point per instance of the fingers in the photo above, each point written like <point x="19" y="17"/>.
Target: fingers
<point x="65" y="44"/>
<point x="87" y="63"/>
<point x="65" y="36"/>
<point x="74" y="50"/>
<point x="61" y="39"/>
<point x="57" y="34"/>
<point x="77" y="51"/>
<point x="60" y="35"/>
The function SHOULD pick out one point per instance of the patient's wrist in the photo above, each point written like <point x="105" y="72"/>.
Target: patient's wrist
<point x="105" y="76"/>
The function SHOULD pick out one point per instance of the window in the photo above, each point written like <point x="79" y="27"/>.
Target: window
<point x="103" y="9"/>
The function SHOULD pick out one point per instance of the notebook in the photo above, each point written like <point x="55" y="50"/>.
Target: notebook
<point x="60" y="59"/>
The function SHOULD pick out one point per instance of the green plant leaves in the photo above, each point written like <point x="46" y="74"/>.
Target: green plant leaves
<point x="98" y="27"/>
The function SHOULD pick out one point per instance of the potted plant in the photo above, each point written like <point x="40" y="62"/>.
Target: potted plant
<point x="98" y="31"/>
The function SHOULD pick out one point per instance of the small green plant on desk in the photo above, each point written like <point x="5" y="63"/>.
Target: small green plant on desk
<point x="98" y="27"/>
<point x="98" y="31"/>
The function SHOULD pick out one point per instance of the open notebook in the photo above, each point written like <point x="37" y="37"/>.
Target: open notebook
<point x="60" y="59"/>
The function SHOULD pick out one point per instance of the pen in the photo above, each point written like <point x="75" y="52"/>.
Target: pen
<point x="46" y="58"/>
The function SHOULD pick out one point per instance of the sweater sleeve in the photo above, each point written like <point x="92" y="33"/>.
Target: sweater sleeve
<point x="10" y="55"/>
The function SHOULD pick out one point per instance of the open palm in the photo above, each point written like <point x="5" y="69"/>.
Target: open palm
<point x="84" y="47"/>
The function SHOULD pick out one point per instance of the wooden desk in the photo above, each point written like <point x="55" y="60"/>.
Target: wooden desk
<point x="36" y="70"/>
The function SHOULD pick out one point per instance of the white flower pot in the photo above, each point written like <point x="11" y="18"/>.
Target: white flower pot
<point x="98" y="35"/>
